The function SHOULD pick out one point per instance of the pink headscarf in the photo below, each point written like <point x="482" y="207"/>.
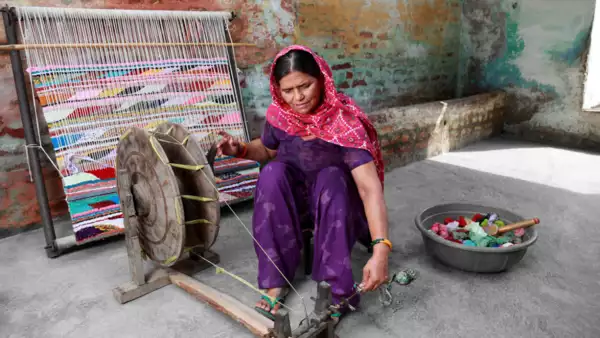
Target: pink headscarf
<point x="337" y="120"/>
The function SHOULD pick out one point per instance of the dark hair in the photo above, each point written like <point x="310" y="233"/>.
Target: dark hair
<point x="296" y="61"/>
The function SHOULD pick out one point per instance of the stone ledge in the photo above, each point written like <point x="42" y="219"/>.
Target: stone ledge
<point x="413" y="133"/>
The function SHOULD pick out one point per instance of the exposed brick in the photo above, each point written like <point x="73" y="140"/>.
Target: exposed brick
<point x="414" y="133"/>
<point x="366" y="34"/>
<point x="344" y="85"/>
<point x="359" y="83"/>
<point x="373" y="45"/>
<point x="383" y="36"/>
<point x="349" y="75"/>
<point x="422" y="145"/>
<point x="346" y="65"/>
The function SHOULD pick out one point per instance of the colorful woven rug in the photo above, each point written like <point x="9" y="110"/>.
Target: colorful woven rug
<point x="236" y="179"/>
<point x="89" y="107"/>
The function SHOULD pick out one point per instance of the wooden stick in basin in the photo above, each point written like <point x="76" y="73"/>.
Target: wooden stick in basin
<point x="493" y="229"/>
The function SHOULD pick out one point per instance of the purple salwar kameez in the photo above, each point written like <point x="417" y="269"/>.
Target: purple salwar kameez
<point x="308" y="185"/>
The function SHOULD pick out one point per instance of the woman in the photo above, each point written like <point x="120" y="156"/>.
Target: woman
<point x="324" y="172"/>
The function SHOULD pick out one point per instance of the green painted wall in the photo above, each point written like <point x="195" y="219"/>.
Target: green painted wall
<point x="535" y="50"/>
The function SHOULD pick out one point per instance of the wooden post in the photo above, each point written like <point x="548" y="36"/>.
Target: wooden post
<point x="140" y="284"/>
<point x="324" y="298"/>
<point x="319" y="323"/>
<point x="322" y="304"/>
<point x="282" y="327"/>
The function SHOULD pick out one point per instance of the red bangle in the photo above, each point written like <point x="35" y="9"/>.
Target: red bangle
<point x="244" y="150"/>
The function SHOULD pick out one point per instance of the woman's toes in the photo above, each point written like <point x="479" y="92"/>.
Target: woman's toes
<point x="275" y="309"/>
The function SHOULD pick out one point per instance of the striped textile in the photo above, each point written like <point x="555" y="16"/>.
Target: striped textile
<point x="88" y="107"/>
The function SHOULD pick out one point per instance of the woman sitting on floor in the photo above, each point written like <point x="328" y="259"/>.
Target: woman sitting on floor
<point x="325" y="171"/>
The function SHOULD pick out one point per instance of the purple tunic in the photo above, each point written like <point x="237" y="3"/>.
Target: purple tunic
<point x="308" y="185"/>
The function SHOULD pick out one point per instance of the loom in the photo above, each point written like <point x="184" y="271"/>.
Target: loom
<point x="141" y="71"/>
<point x="96" y="73"/>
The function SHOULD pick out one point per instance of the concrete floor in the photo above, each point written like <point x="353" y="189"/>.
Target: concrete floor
<point x="553" y="292"/>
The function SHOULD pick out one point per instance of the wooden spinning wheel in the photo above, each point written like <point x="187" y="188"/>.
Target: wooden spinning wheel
<point x="167" y="191"/>
<point x="171" y="207"/>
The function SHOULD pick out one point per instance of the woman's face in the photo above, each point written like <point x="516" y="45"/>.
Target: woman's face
<point x="301" y="92"/>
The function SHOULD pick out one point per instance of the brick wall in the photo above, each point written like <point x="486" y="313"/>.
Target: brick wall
<point x="383" y="53"/>
<point x="416" y="132"/>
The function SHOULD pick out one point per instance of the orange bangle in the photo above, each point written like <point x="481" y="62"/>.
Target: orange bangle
<point x="244" y="150"/>
<point x="382" y="240"/>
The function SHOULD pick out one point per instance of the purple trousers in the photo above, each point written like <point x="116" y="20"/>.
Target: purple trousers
<point x="286" y="203"/>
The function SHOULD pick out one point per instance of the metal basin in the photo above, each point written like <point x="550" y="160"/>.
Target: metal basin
<point x="473" y="259"/>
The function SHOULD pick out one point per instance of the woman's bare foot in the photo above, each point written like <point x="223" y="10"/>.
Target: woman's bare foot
<point x="274" y="293"/>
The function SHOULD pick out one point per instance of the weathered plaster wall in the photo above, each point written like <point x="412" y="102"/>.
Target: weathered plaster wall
<point x="534" y="50"/>
<point x="384" y="53"/>
<point x="416" y="132"/>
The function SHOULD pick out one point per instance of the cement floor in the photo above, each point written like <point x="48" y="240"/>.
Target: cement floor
<point x="553" y="292"/>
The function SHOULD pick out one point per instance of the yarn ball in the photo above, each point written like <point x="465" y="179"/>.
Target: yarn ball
<point x="452" y="225"/>
<point x="519" y="232"/>
<point x="469" y="242"/>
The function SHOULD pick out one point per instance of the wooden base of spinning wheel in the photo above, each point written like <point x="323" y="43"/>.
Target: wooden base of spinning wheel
<point x="171" y="214"/>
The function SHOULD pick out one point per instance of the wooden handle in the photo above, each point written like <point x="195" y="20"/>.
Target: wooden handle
<point x="518" y="225"/>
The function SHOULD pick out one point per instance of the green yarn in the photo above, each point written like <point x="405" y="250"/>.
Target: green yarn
<point x="460" y="236"/>
<point x="486" y="241"/>
<point x="405" y="276"/>
<point x="476" y="232"/>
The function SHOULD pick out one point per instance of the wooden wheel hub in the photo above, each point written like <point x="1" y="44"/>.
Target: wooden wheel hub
<point x="169" y="192"/>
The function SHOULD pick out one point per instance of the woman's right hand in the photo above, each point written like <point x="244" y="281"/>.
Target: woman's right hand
<point x="228" y="146"/>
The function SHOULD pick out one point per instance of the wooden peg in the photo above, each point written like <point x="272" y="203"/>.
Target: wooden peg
<point x="282" y="327"/>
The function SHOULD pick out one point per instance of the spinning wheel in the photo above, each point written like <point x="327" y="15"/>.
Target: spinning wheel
<point x="171" y="208"/>
<point x="168" y="192"/>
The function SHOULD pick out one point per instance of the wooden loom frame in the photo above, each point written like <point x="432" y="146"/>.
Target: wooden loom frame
<point x="57" y="246"/>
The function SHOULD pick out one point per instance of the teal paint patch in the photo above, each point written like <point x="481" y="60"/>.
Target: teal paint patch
<point x="501" y="72"/>
<point x="571" y="53"/>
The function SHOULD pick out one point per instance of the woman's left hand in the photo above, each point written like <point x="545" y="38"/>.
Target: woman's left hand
<point x="375" y="271"/>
